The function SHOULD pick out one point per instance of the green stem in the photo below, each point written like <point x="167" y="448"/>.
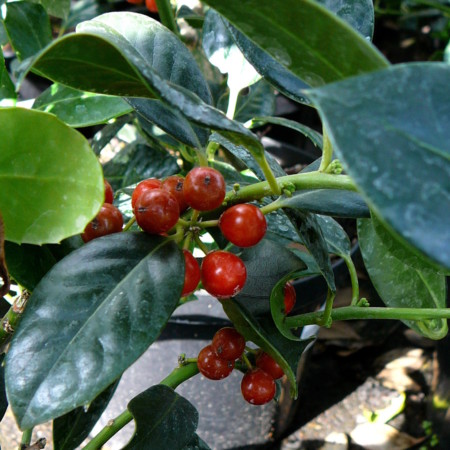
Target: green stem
<point x="26" y="438"/>
<point x="201" y="156"/>
<point x="185" y="154"/>
<point x="277" y="204"/>
<point x="326" y="320"/>
<point x="208" y="223"/>
<point x="357" y="312"/>
<point x="270" y="177"/>
<point x="211" y="150"/>
<point x="310" y="180"/>
<point x="201" y="245"/>
<point x="129" y="224"/>
<point x="166" y="15"/>
<point x="327" y="152"/>
<point x="246" y="361"/>
<point x="173" y="380"/>
<point x="353" y="278"/>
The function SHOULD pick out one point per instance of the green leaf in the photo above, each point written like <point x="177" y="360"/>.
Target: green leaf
<point x="71" y="429"/>
<point x="292" y="33"/>
<point x="310" y="232"/>
<point x="6" y="85"/>
<point x="358" y="13"/>
<point x="169" y="423"/>
<point x="400" y="285"/>
<point x="197" y="443"/>
<point x="223" y="53"/>
<point x="137" y="162"/>
<point x="27" y="264"/>
<point x="56" y="173"/>
<point x="28" y="27"/>
<point x="266" y="336"/>
<point x="314" y="136"/>
<point x="78" y="108"/>
<point x="82" y="10"/>
<point x="266" y="263"/>
<point x="170" y="120"/>
<point x="394" y="144"/>
<point x="336" y="238"/>
<point x="330" y="202"/>
<point x="89" y="319"/>
<point x="57" y="8"/>
<point x="117" y="59"/>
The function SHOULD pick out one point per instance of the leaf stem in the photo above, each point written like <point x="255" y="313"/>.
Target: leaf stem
<point x="166" y="15"/>
<point x="327" y="152"/>
<point x="353" y="278"/>
<point x="208" y="223"/>
<point x="129" y="224"/>
<point x="26" y="438"/>
<point x="173" y="380"/>
<point x="232" y="102"/>
<point x="358" y="312"/>
<point x="201" y="245"/>
<point x="326" y="320"/>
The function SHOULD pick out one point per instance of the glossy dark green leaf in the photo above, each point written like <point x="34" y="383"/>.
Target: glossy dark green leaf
<point x="28" y="28"/>
<point x="314" y="136"/>
<point x="247" y="157"/>
<point x="330" y="202"/>
<point x="223" y="53"/>
<point x="56" y="173"/>
<point x="78" y="108"/>
<point x="136" y="162"/>
<point x="358" y="13"/>
<point x="170" y="120"/>
<point x="400" y="285"/>
<point x="336" y="238"/>
<point x="266" y="263"/>
<point x="82" y="10"/>
<point x="3" y="399"/>
<point x="164" y="420"/>
<point x="27" y="264"/>
<point x="102" y="137"/>
<point x="57" y="8"/>
<point x="71" y="429"/>
<point x="126" y="54"/>
<point x="194" y="19"/>
<point x="89" y="319"/>
<point x="7" y="89"/>
<point x="197" y="443"/>
<point x="394" y="143"/>
<point x="310" y="233"/>
<point x="293" y="34"/>
<point x="265" y="335"/>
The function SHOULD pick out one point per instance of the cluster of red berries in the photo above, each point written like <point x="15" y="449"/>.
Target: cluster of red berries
<point x="217" y="360"/>
<point x="150" y="4"/>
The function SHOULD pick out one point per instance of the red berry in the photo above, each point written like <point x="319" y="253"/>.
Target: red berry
<point x="223" y="274"/>
<point x="109" y="193"/>
<point x="174" y="185"/>
<point x="143" y="186"/>
<point x="258" y="387"/>
<point x="269" y="365"/>
<point x="204" y="188"/>
<point x="151" y="6"/>
<point x="108" y="220"/>
<point x="191" y="273"/>
<point x="136" y="2"/>
<point x="243" y="225"/>
<point x="211" y="366"/>
<point x="156" y="211"/>
<point x="228" y="343"/>
<point x="290" y="297"/>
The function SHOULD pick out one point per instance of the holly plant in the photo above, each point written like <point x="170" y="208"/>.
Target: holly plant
<point x="138" y="176"/>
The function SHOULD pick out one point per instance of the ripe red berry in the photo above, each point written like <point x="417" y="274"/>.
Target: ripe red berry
<point x="204" y="188"/>
<point x="151" y="6"/>
<point x="223" y="274"/>
<point x="228" y="343"/>
<point x="269" y="365"/>
<point x="174" y="185"/>
<point x="156" y="211"/>
<point x="108" y="220"/>
<point x="258" y="387"/>
<point x="211" y="366"/>
<point x="191" y="273"/>
<point x="136" y="2"/>
<point x="243" y="225"/>
<point x="143" y="186"/>
<point x="109" y="193"/>
<point x="290" y="297"/>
